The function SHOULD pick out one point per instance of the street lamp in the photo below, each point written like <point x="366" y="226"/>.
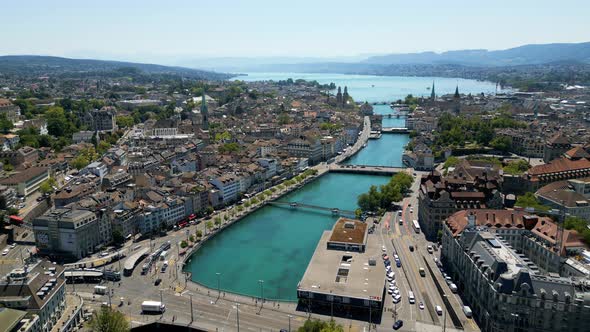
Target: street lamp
<point x="261" y="293"/>
<point x="218" y="286"/>
<point x="289" y="322"/>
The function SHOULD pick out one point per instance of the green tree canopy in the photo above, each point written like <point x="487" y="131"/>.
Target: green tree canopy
<point x="108" y="320"/>
<point x="317" y="325"/>
<point x="529" y="200"/>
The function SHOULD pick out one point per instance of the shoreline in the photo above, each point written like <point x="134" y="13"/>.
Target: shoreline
<point x="196" y="247"/>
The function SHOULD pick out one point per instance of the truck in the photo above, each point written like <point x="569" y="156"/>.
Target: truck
<point x="101" y="290"/>
<point x="148" y="307"/>
<point x="163" y="255"/>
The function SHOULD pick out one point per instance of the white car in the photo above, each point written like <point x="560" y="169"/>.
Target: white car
<point x="383" y="249"/>
<point x="391" y="275"/>
<point x="396" y="298"/>
<point x="429" y="249"/>
<point x="396" y="292"/>
<point x="421" y="306"/>
<point x="5" y="252"/>
<point x="13" y="245"/>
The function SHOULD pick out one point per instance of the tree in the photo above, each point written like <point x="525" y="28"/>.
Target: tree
<point x="108" y="320"/>
<point x="317" y="325"/>
<point x="209" y="225"/>
<point x="191" y="238"/>
<point x="240" y="208"/>
<point x="210" y="209"/>
<point x="7" y="167"/>
<point x="226" y="217"/>
<point x="199" y="234"/>
<point x="183" y="244"/>
<point x="13" y="211"/>
<point x="125" y="121"/>
<point x="47" y="186"/>
<point x="451" y="161"/>
<point x="217" y="221"/>
<point x="103" y="147"/>
<point x="516" y="167"/>
<point x="529" y="200"/>
<point x="118" y="238"/>
<point x="5" y="124"/>
<point x="57" y="123"/>
<point x="358" y="213"/>
<point x="501" y="143"/>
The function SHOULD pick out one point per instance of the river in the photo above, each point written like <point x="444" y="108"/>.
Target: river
<point x="275" y="244"/>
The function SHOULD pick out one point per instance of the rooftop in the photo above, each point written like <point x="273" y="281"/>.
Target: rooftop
<point x="343" y="273"/>
<point x="349" y="231"/>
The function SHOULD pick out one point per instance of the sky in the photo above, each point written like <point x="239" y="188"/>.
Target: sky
<point x="170" y="30"/>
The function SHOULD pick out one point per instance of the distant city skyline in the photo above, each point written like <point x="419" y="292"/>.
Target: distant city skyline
<point x="177" y="30"/>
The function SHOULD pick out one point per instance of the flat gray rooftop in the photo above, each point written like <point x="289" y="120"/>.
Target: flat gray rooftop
<point x="357" y="278"/>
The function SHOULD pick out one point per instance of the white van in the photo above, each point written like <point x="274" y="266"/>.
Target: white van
<point x="438" y="310"/>
<point x="467" y="311"/>
<point x="411" y="297"/>
<point x="453" y="288"/>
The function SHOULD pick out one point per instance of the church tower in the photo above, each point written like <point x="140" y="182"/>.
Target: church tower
<point x="345" y="96"/>
<point x="432" y="93"/>
<point x="339" y="97"/>
<point x="457" y="95"/>
<point x="204" y="113"/>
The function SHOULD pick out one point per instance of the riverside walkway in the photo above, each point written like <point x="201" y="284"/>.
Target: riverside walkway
<point x="334" y="211"/>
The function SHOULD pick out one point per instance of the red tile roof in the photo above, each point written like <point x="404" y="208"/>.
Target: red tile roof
<point x="560" y="165"/>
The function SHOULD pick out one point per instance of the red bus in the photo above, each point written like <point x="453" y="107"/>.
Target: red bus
<point x="16" y="220"/>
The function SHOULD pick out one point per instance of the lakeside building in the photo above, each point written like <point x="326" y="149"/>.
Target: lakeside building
<point x="514" y="273"/>
<point x="346" y="272"/>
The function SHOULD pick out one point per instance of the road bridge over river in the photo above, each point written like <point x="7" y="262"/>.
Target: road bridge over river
<point x="365" y="169"/>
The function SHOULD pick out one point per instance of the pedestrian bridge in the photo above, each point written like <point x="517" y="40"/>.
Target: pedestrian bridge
<point x="395" y="130"/>
<point x="299" y="205"/>
<point x="366" y="169"/>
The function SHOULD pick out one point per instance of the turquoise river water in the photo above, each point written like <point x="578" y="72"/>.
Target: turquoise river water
<point x="275" y="244"/>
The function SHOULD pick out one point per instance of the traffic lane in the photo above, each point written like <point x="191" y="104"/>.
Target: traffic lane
<point x="204" y="309"/>
<point x="429" y="285"/>
<point x="412" y="270"/>
<point x="397" y="310"/>
<point x="454" y="298"/>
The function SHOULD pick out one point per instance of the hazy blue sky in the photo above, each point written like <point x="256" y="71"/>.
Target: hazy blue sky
<point x="152" y="30"/>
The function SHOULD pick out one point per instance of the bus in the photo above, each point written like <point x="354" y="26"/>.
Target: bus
<point x="16" y="220"/>
<point x="416" y="226"/>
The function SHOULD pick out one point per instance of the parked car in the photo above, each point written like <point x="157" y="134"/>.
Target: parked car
<point x="398" y="324"/>
<point x="157" y="282"/>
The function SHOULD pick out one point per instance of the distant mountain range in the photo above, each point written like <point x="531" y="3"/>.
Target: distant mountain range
<point x="518" y="56"/>
<point x="50" y="65"/>
<point x="522" y="55"/>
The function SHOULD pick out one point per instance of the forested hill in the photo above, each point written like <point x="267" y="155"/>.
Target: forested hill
<point x="33" y="65"/>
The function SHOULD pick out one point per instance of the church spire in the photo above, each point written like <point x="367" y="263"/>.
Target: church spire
<point x="204" y="113"/>
<point x="457" y="95"/>
<point x="432" y="93"/>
